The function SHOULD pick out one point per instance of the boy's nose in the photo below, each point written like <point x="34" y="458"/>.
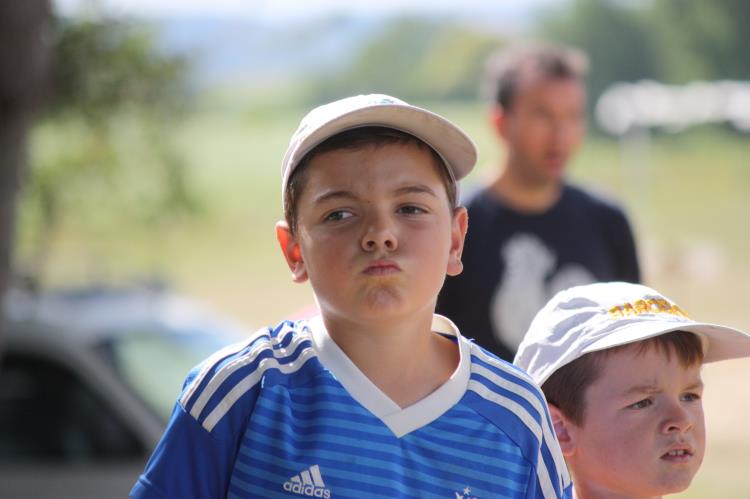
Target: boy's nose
<point x="379" y="236"/>
<point x="678" y="419"/>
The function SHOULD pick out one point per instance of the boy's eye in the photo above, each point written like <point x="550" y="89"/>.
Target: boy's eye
<point x="411" y="210"/>
<point x="337" y="215"/>
<point x="691" y="397"/>
<point x="641" y="404"/>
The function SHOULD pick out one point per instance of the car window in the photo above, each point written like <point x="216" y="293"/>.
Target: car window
<point x="155" y="365"/>
<point x="48" y="413"/>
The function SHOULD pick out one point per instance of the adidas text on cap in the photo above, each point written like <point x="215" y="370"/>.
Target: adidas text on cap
<point x="595" y="317"/>
<point x="450" y="142"/>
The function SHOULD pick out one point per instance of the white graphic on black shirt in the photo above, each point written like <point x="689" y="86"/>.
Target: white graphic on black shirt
<point x="527" y="284"/>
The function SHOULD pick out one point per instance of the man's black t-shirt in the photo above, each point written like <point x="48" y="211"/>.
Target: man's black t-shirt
<point x="515" y="262"/>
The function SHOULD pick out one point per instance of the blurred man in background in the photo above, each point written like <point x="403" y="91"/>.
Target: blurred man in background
<point x="531" y="233"/>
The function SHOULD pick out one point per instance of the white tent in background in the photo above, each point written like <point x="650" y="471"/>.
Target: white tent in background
<point x="630" y="110"/>
<point x="647" y="104"/>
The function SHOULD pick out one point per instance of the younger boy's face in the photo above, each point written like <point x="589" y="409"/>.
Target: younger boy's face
<point x="376" y="234"/>
<point x="643" y="433"/>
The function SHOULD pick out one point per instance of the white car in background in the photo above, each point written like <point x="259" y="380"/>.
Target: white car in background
<point x="88" y="379"/>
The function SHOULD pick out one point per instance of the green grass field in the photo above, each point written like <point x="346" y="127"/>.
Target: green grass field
<point x="688" y="196"/>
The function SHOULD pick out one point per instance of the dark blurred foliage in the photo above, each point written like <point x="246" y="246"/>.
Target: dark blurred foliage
<point x="108" y="65"/>
<point x="672" y="41"/>
<point x="700" y="40"/>
<point x="104" y="143"/>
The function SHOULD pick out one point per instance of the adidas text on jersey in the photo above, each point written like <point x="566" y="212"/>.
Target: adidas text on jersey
<point x="308" y="483"/>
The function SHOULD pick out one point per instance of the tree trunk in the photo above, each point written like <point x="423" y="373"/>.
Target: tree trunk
<point x="25" y="37"/>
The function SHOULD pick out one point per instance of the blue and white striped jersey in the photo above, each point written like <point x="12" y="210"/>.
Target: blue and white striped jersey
<point x="287" y="414"/>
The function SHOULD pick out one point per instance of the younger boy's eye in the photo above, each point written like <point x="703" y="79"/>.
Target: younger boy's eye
<point x="691" y="397"/>
<point x="641" y="404"/>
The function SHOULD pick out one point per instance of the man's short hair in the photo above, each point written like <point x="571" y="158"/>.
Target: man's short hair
<point x="357" y="138"/>
<point x="566" y="387"/>
<point x="506" y="70"/>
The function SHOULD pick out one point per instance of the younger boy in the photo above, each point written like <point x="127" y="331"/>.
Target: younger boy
<point x="377" y="396"/>
<point x="620" y="366"/>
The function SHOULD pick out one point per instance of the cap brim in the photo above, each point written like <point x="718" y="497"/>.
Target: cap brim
<point x="720" y="342"/>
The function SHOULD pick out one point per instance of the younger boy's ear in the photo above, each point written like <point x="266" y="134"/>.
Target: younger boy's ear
<point x="291" y="250"/>
<point x="563" y="429"/>
<point x="459" y="227"/>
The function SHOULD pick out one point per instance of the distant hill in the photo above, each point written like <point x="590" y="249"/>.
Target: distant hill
<point x="261" y="53"/>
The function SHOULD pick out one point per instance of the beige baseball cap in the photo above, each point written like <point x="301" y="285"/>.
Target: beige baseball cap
<point x="455" y="147"/>
<point x="594" y="317"/>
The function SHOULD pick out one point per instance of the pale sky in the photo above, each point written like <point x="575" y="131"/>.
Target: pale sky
<point x="300" y="8"/>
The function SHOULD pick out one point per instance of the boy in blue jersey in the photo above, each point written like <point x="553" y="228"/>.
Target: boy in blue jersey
<point x="620" y="365"/>
<point x="376" y="396"/>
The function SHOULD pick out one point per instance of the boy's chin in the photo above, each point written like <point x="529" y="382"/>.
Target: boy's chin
<point x="672" y="485"/>
<point x="665" y="484"/>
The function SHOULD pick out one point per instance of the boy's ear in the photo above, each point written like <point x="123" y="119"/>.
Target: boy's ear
<point x="498" y="121"/>
<point x="563" y="429"/>
<point x="291" y="250"/>
<point x="459" y="227"/>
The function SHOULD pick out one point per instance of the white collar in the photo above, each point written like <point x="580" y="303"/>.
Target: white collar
<point x="399" y="421"/>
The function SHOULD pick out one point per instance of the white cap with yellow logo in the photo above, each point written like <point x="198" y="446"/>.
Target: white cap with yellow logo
<point x="595" y="317"/>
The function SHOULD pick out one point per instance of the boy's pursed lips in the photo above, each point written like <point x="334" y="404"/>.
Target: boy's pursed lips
<point x="381" y="267"/>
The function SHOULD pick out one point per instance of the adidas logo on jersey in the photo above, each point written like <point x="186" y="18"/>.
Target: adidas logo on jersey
<point x="308" y="483"/>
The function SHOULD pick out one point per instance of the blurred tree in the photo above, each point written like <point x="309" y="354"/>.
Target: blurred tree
<point x="617" y="38"/>
<point x="24" y="56"/>
<point x="102" y="150"/>
<point x="416" y="59"/>
<point x="702" y="40"/>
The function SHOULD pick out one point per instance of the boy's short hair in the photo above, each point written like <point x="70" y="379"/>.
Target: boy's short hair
<point x="455" y="149"/>
<point x="597" y="317"/>
<point x="506" y="69"/>
<point x="356" y="138"/>
<point x="566" y="387"/>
